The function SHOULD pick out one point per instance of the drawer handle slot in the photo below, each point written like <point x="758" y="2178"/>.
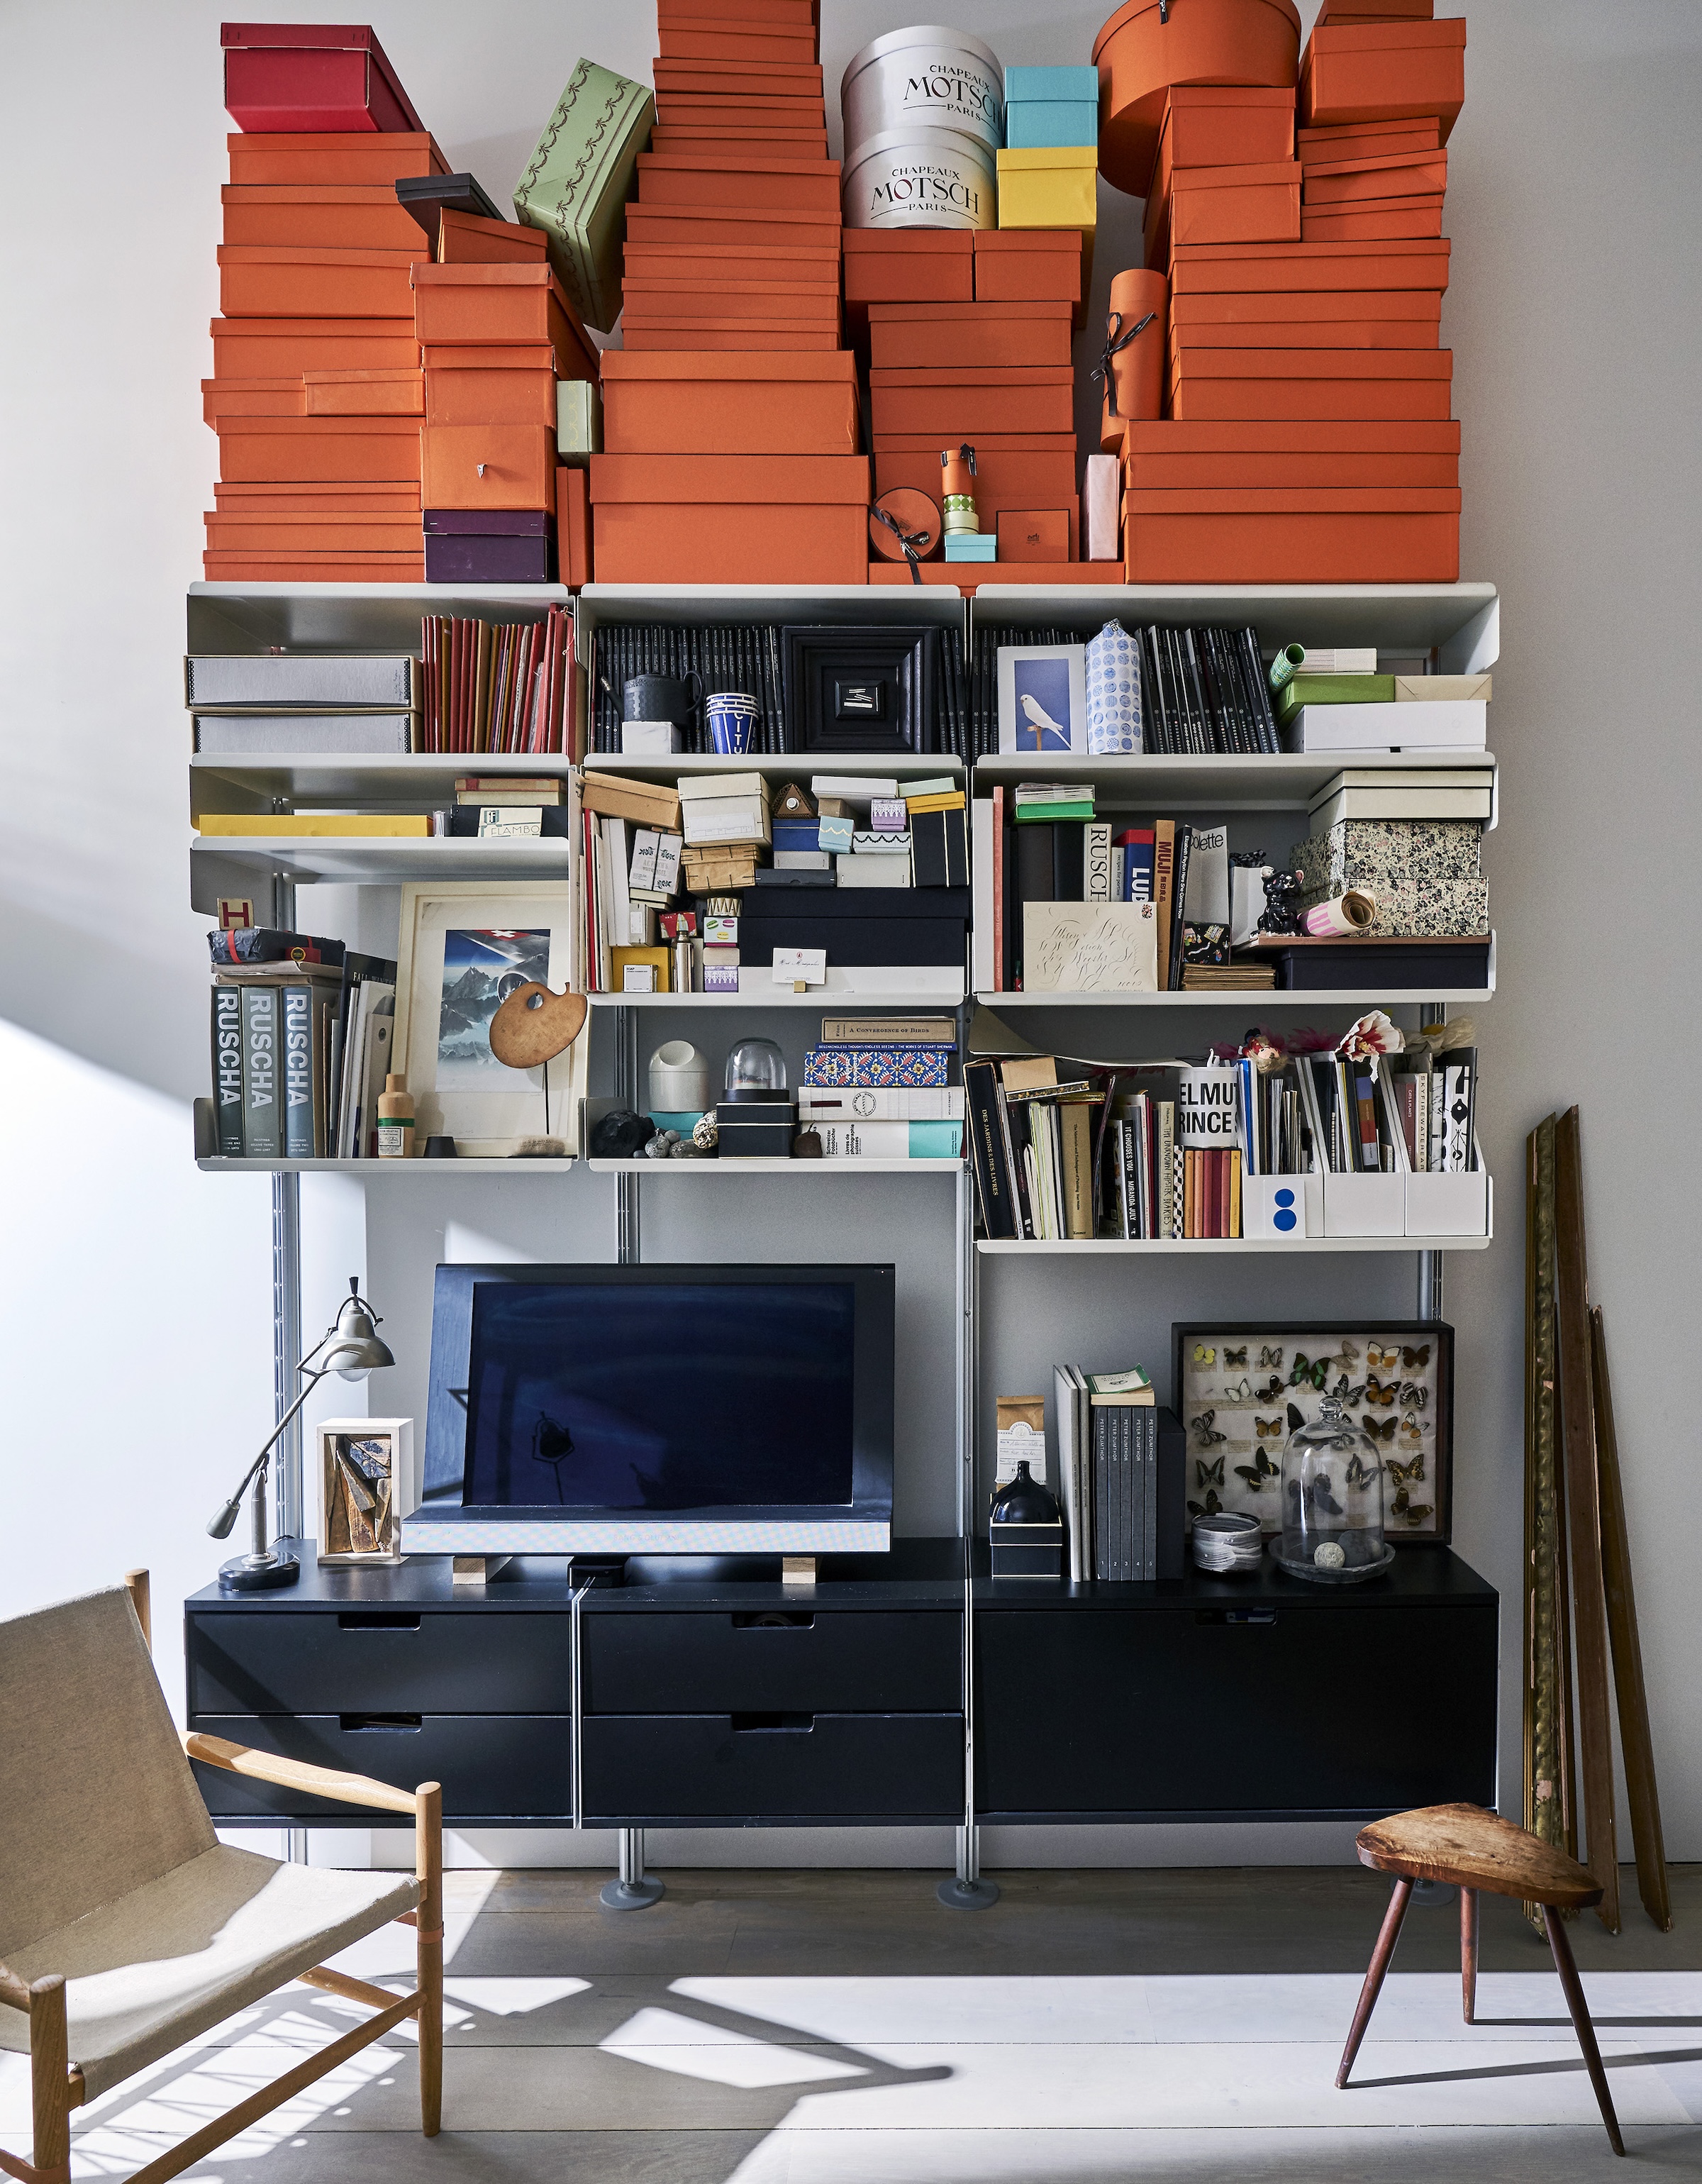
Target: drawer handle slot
<point x="1238" y="1615"/>
<point x="776" y="1618"/>
<point x="788" y="1724"/>
<point x="378" y="1619"/>
<point x="380" y="1724"/>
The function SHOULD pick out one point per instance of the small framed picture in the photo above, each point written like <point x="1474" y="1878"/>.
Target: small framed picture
<point x="367" y="1484"/>
<point x="1042" y="699"/>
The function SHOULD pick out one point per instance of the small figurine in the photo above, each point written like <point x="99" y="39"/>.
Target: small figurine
<point x="1282" y="909"/>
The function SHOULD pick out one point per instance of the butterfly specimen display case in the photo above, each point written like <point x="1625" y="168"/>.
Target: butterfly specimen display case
<point x="1244" y="1391"/>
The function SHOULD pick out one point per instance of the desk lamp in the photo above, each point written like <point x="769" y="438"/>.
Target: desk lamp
<point x="351" y="1347"/>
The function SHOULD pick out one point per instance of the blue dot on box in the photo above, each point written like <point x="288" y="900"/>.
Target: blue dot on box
<point x="1284" y="1218"/>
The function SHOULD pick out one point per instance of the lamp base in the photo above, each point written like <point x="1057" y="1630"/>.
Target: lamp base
<point x="241" y="1576"/>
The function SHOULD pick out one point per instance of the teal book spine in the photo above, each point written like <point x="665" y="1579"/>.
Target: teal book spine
<point x="262" y="1139"/>
<point x="298" y="1073"/>
<point x="228" y="1070"/>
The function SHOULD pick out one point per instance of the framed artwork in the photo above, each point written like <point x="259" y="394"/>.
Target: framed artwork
<point x="1240" y="1389"/>
<point x="464" y="947"/>
<point x="1042" y="699"/>
<point x="367" y="1484"/>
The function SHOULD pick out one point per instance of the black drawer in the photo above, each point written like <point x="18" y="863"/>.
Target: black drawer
<point x="748" y="1768"/>
<point x="494" y="1768"/>
<point x="813" y="1662"/>
<point x="1285" y="1711"/>
<point x="252" y="1660"/>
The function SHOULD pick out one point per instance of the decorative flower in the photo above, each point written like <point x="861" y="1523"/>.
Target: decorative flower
<point x="1374" y="1034"/>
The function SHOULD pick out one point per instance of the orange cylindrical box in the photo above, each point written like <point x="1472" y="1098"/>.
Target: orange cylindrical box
<point x="1396" y="219"/>
<point x="318" y="159"/>
<point x="320" y="448"/>
<point x="1242" y="536"/>
<point x="363" y="394"/>
<point x="1226" y="204"/>
<point x="268" y="348"/>
<point x="742" y="181"/>
<point x="478" y="396"/>
<point x="1243" y="268"/>
<point x="500" y="303"/>
<point x="1384" y="174"/>
<point x="959" y="404"/>
<point x="488" y="465"/>
<point x="346" y="216"/>
<point x="1147" y="47"/>
<point x="252" y="398"/>
<point x="1367" y="140"/>
<point x="275" y="281"/>
<point x="1385" y="72"/>
<point x="1133" y="363"/>
<point x="962" y="335"/>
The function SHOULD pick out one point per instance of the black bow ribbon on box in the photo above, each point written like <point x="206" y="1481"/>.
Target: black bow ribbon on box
<point x="1115" y="340"/>
<point x="910" y="540"/>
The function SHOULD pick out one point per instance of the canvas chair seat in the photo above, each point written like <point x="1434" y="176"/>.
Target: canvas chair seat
<point x="178" y="1955"/>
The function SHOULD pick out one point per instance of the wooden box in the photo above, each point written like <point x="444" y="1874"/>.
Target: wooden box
<point x="779" y="404"/>
<point x="1385" y="72"/>
<point x="488" y="465"/>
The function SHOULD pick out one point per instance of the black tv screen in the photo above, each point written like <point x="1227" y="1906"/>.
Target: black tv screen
<point x="680" y="1395"/>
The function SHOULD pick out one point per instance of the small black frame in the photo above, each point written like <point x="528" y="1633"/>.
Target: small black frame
<point x="899" y="668"/>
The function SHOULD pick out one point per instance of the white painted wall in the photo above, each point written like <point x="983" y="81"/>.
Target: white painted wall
<point x="137" y="1340"/>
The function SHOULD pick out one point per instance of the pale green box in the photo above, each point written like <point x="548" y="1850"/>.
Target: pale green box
<point x="578" y="420"/>
<point x="579" y="179"/>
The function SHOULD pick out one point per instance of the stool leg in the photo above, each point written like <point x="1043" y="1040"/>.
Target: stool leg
<point x="1374" y="1978"/>
<point x="1572" y="1987"/>
<point x="1468" y="1953"/>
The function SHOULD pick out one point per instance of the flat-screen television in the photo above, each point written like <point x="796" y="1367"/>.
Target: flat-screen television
<point x="600" y="1410"/>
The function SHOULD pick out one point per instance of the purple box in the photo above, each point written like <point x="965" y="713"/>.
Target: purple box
<point x="467" y="559"/>
<point x="487" y="523"/>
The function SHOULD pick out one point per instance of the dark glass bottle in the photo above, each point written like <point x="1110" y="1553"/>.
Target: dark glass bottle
<point x="1023" y="1499"/>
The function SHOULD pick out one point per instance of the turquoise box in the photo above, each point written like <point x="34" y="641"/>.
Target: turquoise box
<point x="1075" y="84"/>
<point x="972" y="546"/>
<point x="1044" y="125"/>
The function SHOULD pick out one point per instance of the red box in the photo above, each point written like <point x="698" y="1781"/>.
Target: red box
<point x="1149" y="45"/>
<point x="318" y="449"/>
<point x="325" y="216"/>
<point x="274" y="281"/>
<point x="1247" y="269"/>
<point x="730" y="519"/>
<point x="744" y="405"/>
<point x="465" y="239"/>
<point x="739" y="181"/>
<point x="1385" y="72"/>
<point x="307" y="77"/>
<point x="252" y="398"/>
<point x="1396" y="219"/>
<point x="1367" y="140"/>
<point x="958" y="335"/>
<point x="487" y="397"/>
<point x="334" y="156"/>
<point x="1292" y="537"/>
<point x="363" y="394"/>
<point x="961" y="406"/>
<point x="572" y="525"/>
<point x="488" y="465"/>
<point x="1367" y="181"/>
<point x="503" y="305"/>
<point x="1225" y="205"/>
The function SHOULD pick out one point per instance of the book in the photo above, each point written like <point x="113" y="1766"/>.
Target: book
<point x="228" y="1070"/>
<point x="298" y="1074"/>
<point x="262" y="1136"/>
<point x="854" y="1139"/>
<point x="932" y="1031"/>
<point x="892" y="1103"/>
<point x="1138" y="844"/>
<point x="1075" y="1169"/>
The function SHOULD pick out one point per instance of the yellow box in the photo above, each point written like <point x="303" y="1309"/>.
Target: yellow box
<point x="309" y="825"/>
<point x="1056" y="186"/>
<point x="657" y="959"/>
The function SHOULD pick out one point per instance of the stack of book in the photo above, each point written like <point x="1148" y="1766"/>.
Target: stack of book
<point x="1121" y="1477"/>
<point x="1308" y="437"/>
<point x="730" y="422"/>
<point x="877" y="1088"/>
<point x="316" y="394"/>
<point x="506" y="807"/>
<point x="301" y="1044"/>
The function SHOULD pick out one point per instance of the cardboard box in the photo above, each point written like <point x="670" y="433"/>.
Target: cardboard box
<point x="1197" y="317"/>
<point x="323" y="215"/>
<point x="1400" y="220"/>
<point x="920" y="266"/>
<point x="489" y="558"/>
<point x="502" y="304"/>
<point x="1280" y="332"/>
<point x="1034" y="265"/>
<point x="779" y="404"/>
<point x="464" y="239"/>
<point x="1041" y="123"/>
<point x="573" y="524"/>
<point x="1146" y="48"/>
<point x="1024" y="471"/>
<point x="492" y="398"/>
<point x="252" y="398"/>
<point x="650" y="803"/>
<point x="364" y="393"/>
<point x="688" y="337"/>
<point x="739" y="181"/>
<point x="1374" y="180"/>
<point x="754" y="228"/>
<point x="1034" y="534"/>
<point x="319" y="159"/>
<point x="1057" y="186"/>
<point x="1296" y="536"/>
<point x="1220" y="125"/>
<point x="1216" y="385"/>
<point x="962" y="404"/>
<point x="274" y="281"/>
<point x="729" y="518"/>
<point x="1247" y="269"/>
<point x="273" y="534"/>
<point x="311" y="76"/>
<point x="276" y="497"/>
<point x="245" y="567"/>
<point x="1385" y="72"/>
<point x="1226" y="204"/>
<point x="1367" y="140"/>
<point x="320" y="449"/>
<point x="962" y="335"/>
<point x="488" y="465"/>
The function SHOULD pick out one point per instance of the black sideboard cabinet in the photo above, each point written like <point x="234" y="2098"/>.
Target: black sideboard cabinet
<point x="728" y="1704"/>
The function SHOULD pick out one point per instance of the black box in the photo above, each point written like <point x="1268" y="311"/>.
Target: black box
<point x="755" y="1129"/>
<point x="1393" y="966"/>
<point x="1027" y="1550"/>
<point x="861" y="689"/>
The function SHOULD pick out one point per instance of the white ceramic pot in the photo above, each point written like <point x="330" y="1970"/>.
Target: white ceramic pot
<point x="913" y="177"/>
<point x="679" y="1079"/>
<point x="927" y="76"/>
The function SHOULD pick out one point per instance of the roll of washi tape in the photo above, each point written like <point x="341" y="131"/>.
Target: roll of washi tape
<point x="1289" y="659"/>
<point x="1342" y="915"/>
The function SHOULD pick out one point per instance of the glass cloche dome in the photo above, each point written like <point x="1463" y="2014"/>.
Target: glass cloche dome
<point x="1332" y="1500"/>
<point x="756" y="1070"/>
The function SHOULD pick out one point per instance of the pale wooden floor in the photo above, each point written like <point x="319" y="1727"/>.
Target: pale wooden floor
<point x="842" y="2028"/>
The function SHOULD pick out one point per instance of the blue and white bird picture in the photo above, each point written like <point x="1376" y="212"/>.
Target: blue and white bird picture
<point x="1042" y="702"/>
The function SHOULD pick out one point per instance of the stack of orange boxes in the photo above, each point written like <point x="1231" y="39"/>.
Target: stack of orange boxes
<point x="495" y="332"/>
<point x="1308" y="437"/>
<point x="730" y="415"/>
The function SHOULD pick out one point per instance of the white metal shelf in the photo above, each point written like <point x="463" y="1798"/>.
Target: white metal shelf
<point x="215" y="1164"/>
<point x="732" y="1165"/>
<point x="387" y="860"/>
<point x="244" y="617"/>
<point x="765" y="996"/>
<point x="1240" y="997"/>
<point x="923" y="605"/>
<point x="334" y="778"/>
<point x="789" y="766"/>
<point x="1226" y="782"/>
<point x="1210" y="1246"/>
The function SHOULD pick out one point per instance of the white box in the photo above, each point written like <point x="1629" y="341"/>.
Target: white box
<point x="730" y="819"/>
<point x="872" y="872"/>
<point x="1364" y="1205"/>
<point x="1448" y="1204"/>
<point x="892" y="1103"/>
<point x="1282" y="1208"/>
<point x="403" y="1486"/>
<point x="1102" y="506"/>
<point x="648" y="739"/>
<point x="1457" y="724"/>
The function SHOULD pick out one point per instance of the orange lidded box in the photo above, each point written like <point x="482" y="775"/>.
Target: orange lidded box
<point x="1214" y="124"/>
<point x="1385" y="72"/>
<point x="1226" y="204"/>
<point x="1385" y="174"/>
<point x="1396" y="220"/>
<point x="270" y="349"/>
<point x="326" y="215"/>
<point x="1367" y="140"/>
<point x="736" y="41"/>
<point x="1033" y="265"/>
<point x="751" y="230"/>
<point x="689" y="337"/>
<point x="465" y="239"/>
<point x="730" y="519"/>
<point x="252" y="398"/>
<point x="502" y="304"/>
<point x="1192" y="316"/>
<point x="320" y="449"/>
<point x="730" y="404"/>
<point x="1411" y="384"/>
<point x="1336" y="456"/>
<point x="720" y="303"/>
<point x="1296" y="535"/>
<point x="276" y="496"/>
<point x="742" y="182"/>
<point x="1291" y="332"/>
<point x="962" y="334"/>
<point x="959" y="404"/>
<point x="364" y="394"/>
<point x="279" y="280"/>
<point x="487" y="466"/>
<point x="1252" y="268"/>
<point x="322" y="158"/>
<point x="1149" y="45"/>
<point x="313" y="531"/>
<point x="917" y="265"/>
<point x="572" y="525"/>
<point x="480" y="397"/>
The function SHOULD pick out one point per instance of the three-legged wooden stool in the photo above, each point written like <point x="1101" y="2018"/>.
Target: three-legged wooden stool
<point x="1470" y="1849"/>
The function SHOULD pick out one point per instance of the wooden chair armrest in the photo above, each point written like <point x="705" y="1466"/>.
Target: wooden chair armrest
<point x="299" y="1774"/>
<point x="14" y="1992"/>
